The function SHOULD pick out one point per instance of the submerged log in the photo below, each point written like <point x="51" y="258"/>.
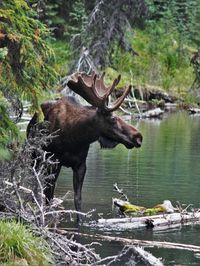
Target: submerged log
<point x="155" y="221"/>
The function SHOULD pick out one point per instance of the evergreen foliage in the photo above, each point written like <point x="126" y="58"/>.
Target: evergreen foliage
<point x="179" y="16"/>
<point x="108" y="23"/>
<point x="62" y="17"/>
<point x="77" y="17"/>
<point x="25" y="59"/>
<point x="25" y="65"/>
<point x="52" y="14"/>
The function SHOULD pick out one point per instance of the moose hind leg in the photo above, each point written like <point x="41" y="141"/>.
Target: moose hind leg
<point x="50" y="183"/>
<point x="78" y="178"/>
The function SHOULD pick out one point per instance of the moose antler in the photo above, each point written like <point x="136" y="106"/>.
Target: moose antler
<point x="94" y="91"/>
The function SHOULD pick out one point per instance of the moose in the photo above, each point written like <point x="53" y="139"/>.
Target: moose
<point x="78" y="126"/>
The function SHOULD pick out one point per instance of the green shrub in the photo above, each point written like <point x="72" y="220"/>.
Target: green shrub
<point x="159" y="61"/>
<point x="63" y="54"/>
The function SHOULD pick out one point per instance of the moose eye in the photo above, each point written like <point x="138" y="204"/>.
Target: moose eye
<point x="113" y="119"/>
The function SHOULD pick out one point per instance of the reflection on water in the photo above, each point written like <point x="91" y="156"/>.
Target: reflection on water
<point x="166" y="167"/>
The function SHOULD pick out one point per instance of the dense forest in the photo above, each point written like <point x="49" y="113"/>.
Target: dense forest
<point x="148" y="42"/>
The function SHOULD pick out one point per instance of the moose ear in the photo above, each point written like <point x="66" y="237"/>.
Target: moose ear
<point x="46" y="107"/>
<point x="107" y="143"/>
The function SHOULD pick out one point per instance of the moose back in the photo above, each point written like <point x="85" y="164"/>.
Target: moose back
<point x="78" y="126"/>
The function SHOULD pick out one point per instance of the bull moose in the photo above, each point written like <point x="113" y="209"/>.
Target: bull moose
<point x="78" y="126"/>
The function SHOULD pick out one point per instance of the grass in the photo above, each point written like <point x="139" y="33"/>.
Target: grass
<point x="18" y="246"/>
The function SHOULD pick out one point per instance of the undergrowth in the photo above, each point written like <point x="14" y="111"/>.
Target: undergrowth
<point x="18" y="246"/>
<point x="160" y="60"/>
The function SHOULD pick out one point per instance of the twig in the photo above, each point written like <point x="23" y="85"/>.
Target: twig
<point x="26" y="190"/>
<point x="41" y="205"/>
<point x="134" y="98"/>
<point x="68" y="212"/>
<point x="120" y="191"/>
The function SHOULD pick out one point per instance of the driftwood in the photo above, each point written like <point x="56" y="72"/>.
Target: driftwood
<point x="148" y="257"/>
<point x="157" y="112"/>
<point x="144" y="255"/>
<point x="136" y="245"/>
<point x="161" y="216"/>
<point x="193" y="110"/>
<point x="155" y="221"/>
<point x="143" y="243"/>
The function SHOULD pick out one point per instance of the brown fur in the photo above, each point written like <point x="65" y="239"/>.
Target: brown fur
<point x="78" y="126"/>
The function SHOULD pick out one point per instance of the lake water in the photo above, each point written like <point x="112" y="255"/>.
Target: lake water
<point x="166" y="167"/>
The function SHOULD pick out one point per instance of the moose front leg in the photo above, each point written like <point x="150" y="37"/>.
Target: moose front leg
<point x="78" y="178"/>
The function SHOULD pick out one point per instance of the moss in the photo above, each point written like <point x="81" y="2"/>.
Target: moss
<point x="155" y="210"/>
<point x="130" y="208"/>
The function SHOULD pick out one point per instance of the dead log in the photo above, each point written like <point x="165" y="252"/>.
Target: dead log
<point x="193" y="110"/>
<point x="157" y="112"/>
<point x="154" y="221"/>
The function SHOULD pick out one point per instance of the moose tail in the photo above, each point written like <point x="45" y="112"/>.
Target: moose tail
<point x="31" y="125"/>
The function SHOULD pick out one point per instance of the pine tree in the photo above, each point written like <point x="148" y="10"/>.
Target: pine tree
<point x="25" y="62"/>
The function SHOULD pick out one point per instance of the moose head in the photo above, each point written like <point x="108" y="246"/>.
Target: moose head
<point x="78" y="126"/>
<point x="113" y="130"/>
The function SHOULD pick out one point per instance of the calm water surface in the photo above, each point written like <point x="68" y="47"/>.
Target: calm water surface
<point x="166" y="167"/>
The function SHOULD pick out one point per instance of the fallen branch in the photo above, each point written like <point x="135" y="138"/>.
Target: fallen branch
<point x="144" y="243"/>
<point x="148" y="257"/>
<point x="144" y="255"/>
<point x="88" y="214"/>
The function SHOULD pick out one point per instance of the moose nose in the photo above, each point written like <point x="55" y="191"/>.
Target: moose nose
<point x="138" y="140"/>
